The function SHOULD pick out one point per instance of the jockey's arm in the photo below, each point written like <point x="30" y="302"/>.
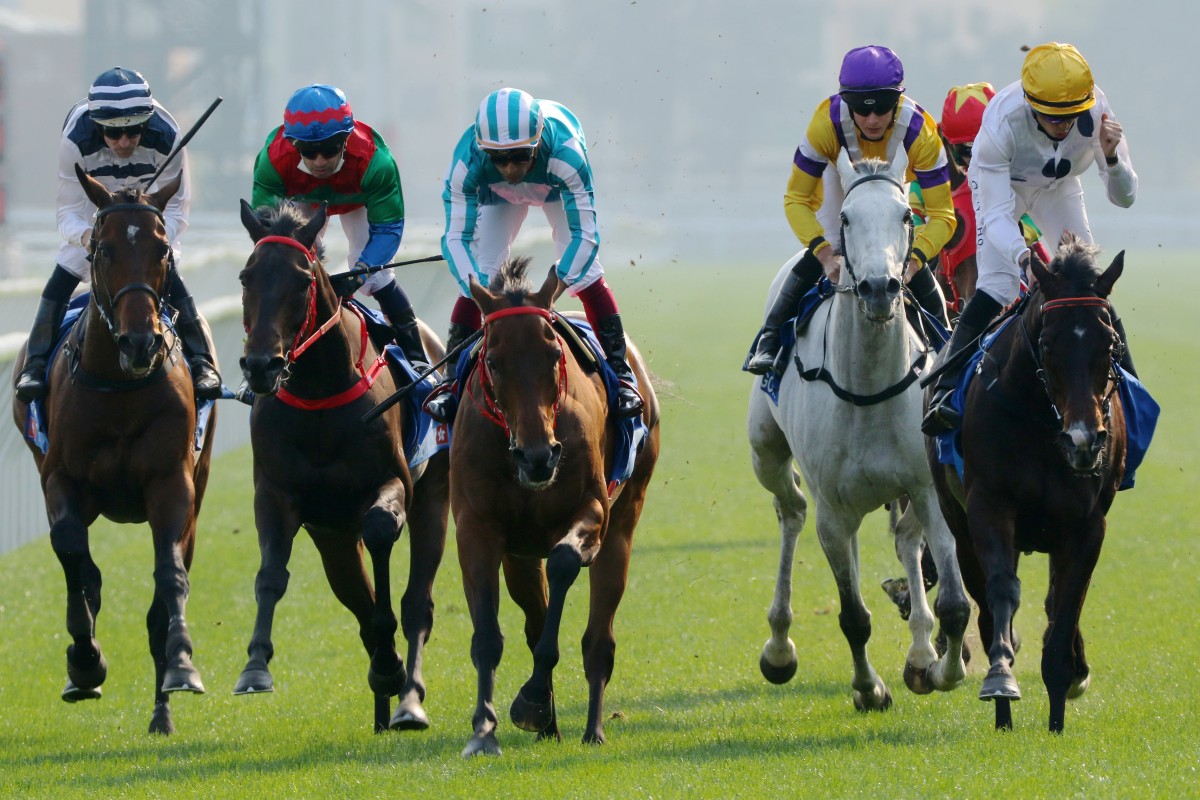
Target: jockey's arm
<point x="74" y="208"/>
<point x="571" y="174"/>
<point x="460" y="197"/>
<point x="805" y="192"/>
<point x="268" y="188"/>
<point x="175" y="215"/>
<point x="1120" y="181"/>
<point x="927" y="162"/>
<point x="384" y="200"/>
<point x="996" y="200"/>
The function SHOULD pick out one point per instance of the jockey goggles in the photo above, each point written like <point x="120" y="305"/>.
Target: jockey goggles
<point x="115" y="132"/>
<point x="329" y="148"/>
<point x="520" y="155"/>
<point x="864" y="104"/>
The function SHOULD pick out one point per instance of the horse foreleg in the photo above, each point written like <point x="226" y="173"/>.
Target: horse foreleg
<point x="86" y="667"/>
<point x="992" y="535"/>
<point x="157" y="626"/>
<point x="479" y="548"/>
<point x="838" y="533"/>
<point x="953" y="607"/>
<point x="277" y="526"/>
<point x="427" y="542"/>
<point x="1072" y="574"/>
<point x="1082" y="677"/>
<point x="772" y="462"/>
<point x="526" y="582"/>
<point x="381" y="528"/>
<point x="170" y="503"/>
<point x="921" y="653"/>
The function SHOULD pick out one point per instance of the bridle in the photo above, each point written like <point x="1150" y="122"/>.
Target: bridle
<point x="106" y="301"/>
<point x="908" y="223"/>
<point x="309" y="333"/>
<point x="491" y="409"/>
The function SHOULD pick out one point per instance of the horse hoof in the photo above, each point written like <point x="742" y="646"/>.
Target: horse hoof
<point x="387" y="684"/>
<point x="897" y="591"/>
<point x="940" y="674"/>
<point x="999" y="685"/>
<point x="1079" y="686"/>
<point x="410" y="715"/>
<point x="254" y="681"/>
<point x="529" y="715"/>
<point x="184" y="678"/>
<point x="917" y="680"/>
<point x="86" y="679"/>
<point x="595" y="737"/>
<point x="73" y="693"/>
<point x="160" y="720"/>
<point x="482" y="745"/>
<point x="778" y="674"/>
<point x="878" y="699"/>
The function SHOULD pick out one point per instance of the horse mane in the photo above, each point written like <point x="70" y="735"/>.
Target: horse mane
<point x="511" y="280"/>
<point x="285" y="218"/>
<point x="872" y="166"/>
<point x="1075" y="260"/>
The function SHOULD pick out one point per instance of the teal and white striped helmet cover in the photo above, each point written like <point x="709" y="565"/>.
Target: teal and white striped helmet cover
<point x="507" y="119"/>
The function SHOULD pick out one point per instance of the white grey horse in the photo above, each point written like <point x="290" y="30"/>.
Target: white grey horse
<point x="855" y="432"/>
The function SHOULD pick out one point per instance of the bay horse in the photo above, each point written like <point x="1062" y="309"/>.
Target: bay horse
<point x="121" y="422"/>
<point x="849" y="412"/>
<point x="528" y="464"/>
<point x="315" y="372"/>
<point x="1043" y="448"/>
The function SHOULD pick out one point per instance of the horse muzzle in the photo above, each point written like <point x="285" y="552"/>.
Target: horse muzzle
<point x="1082" y="447"/>
<point x="263" y="373"/>
<point x="537" y="466"/>
<point x="878" y="297"/>
<point x="137" y="351"/>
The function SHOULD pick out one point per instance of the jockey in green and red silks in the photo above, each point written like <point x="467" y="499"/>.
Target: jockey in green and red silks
<point x="321" y="154"/>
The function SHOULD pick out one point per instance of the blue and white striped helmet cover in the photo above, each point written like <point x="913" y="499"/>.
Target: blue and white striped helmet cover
<point x="120" y="97"/>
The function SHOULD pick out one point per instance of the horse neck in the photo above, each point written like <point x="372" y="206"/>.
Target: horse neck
<point x="865" y="356"/>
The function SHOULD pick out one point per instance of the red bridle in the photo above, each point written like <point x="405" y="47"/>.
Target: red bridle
<point x="492" y="410"/>
<point x="306" y="336"/>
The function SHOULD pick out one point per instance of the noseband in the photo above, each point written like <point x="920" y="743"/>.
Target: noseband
<point x="492" y="410"/>
<point x="106" y="301"/>
<point x="908" y="223"/>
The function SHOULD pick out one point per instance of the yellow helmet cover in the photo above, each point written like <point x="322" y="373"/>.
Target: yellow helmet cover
<point x="1057" y="80"/>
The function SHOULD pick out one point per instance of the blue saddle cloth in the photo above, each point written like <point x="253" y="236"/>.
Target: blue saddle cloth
<point x="423" y="435"/>
<point x="1141" y="415"/>
<point x="37" y="424"/>
<point x="629" y="432"/>
<point x="812" y="300"/>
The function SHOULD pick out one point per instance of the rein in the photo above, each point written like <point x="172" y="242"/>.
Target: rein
<point x="490" y="409"/>
<point x="309" y="333"/>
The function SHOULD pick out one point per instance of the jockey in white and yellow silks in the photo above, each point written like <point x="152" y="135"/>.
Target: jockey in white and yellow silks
<point x="869" y="117"/>
<point x="1038" y="136"/>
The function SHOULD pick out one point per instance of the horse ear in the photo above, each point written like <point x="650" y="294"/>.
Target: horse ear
<point x="899" y="166"/>
<point x="164" y="195"/>
<point x="552" y="287"/>
<point x="252" y="223"/>
<point x="483" y="298"/>
<point x="1104" y="284"/>
<point x="1040" y="271"/>
<point x="93" y="188"/>
<point x="307" y="235"/>
<point x="845" y="168"/>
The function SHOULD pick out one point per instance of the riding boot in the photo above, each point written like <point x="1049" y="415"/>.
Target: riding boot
<point x="198" y="348"/>
<point x="1126" y="360"/>
<point x="940" y="417"/>
<point x="408" y="337"/>
<point x="612" y="339"/>
<point x="924" y="288"/>
<point x="33" y="382"/>
<point x="442" y="404"/>
<point x="803" y="275"/>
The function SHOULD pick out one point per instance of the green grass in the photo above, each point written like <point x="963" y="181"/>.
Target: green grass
<point x="691" y="716"/>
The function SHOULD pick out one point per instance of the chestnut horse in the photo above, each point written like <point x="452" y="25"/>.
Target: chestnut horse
<point x="529" y="463"/>
<point x="315" y="372"/>
<point x="122" y="420"/>
<point x="1043" y="449"/>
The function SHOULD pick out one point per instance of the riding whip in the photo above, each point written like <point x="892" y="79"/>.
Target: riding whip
<point x="187" y="137"/>
<point x="354" y="273"/>
<point x="399" y="394"/>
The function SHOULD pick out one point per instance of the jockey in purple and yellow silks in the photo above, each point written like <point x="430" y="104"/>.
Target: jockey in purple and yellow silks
<point x="869" y="117"/>
<point x="321" y="154"/>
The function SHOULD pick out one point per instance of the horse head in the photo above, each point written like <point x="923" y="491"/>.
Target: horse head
<point x="281" y="285"/>
<point x="877" y="233"/>
<point x="1076" y="346"/>
<point x="130" y="256"/>
<point x="522" y="368"/>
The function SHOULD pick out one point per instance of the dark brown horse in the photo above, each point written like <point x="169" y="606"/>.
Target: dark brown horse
<point x="315" y="373"/>
<point x="531" y="450"/>
<point x="122" y="422"/>
<point x="1043" y="443"/>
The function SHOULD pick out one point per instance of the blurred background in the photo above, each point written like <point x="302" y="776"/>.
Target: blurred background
<point x="692" y="111"/>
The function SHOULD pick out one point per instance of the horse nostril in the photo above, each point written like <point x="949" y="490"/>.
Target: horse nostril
<point x="893" y="286"/>
<point x="864" y="288"/>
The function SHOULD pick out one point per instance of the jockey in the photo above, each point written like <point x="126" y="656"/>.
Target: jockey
<point x="1038" y="136"/>
<point x="119" y="135"/>
<point x="321" y="154"/>
<point x="522" y="152"/>
<point x="869" y="117"/>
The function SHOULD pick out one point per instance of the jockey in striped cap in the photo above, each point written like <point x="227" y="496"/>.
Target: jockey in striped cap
<point x="522" y="152"/>
<point x="120" y="135"/>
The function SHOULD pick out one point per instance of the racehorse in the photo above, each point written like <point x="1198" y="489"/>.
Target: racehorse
<point x="1043" y="448"/>
<point x="314" y="372"/>
<point x="529" y="459"/>
<point x="849" y="412"/>
<point x="122" y="420"/>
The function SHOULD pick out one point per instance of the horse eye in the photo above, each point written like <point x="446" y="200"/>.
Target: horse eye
<point x="908" y="216"/>
<point x="845" y="220"/>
